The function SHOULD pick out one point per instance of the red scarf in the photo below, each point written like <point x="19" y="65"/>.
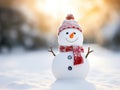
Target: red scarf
<point x="78" y="59"/>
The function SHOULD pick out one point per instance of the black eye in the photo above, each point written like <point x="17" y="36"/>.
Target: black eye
<point x="67" y="33"/>
<point x="74" y="32"/>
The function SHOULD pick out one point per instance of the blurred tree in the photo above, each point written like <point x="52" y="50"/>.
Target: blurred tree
<point x="110" y="29"/>
<point x="116" y="39"/>
<point x="16" y="31"/>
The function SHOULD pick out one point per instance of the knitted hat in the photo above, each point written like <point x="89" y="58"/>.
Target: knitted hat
<point x="69" y="23"/>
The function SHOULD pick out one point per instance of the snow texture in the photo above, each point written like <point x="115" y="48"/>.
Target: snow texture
<point x="61" y="63"/>
<point x="32" y="71"/>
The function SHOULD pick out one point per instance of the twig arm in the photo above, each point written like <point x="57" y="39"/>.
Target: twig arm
<point x="89" y="51"/>
<point x="51" y="50"/>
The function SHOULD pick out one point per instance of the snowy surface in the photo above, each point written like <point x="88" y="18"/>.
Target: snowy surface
<point x="32" y="71"/>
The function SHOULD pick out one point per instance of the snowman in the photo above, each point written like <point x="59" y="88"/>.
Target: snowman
<point x="71" y="62"/>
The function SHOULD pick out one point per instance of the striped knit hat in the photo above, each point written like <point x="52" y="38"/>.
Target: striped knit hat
<point x="69" y="23"/>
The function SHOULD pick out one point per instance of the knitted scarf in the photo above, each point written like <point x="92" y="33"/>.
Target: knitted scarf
<point x="78" y="59"/>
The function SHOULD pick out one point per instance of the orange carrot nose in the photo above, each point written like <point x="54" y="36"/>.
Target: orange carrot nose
<point x="71" y="35"/>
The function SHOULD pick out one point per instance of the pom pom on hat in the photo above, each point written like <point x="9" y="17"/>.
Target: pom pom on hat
<point x="70" y="17"/>
<point x="69" y="23"/>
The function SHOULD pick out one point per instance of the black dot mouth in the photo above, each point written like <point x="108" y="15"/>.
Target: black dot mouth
<point x="71" y="41"/>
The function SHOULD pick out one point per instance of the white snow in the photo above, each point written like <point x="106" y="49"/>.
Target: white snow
<point x="32" y="71"/>
<point x="61" y="63"/>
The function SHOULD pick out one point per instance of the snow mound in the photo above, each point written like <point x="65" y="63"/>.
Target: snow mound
<point x="72" y="85"/>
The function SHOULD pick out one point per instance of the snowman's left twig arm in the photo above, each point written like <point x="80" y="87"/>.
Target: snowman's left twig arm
<point x="89" y="51"/>
<point x="51" y="50"/>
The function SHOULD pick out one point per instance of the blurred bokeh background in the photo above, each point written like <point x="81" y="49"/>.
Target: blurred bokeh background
<point x="33" y="24"/>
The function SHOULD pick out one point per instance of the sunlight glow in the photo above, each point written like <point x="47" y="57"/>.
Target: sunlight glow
<point x="84" y="12"/>
<point x="57" y="7"/>
<point x="62" y="7"/>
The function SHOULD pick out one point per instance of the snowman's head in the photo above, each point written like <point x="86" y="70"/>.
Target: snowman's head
<point x="70" y="32"/>
<point x="70" y="37"/>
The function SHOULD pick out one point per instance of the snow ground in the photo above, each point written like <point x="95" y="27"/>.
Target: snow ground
<point x="32" y="70"/>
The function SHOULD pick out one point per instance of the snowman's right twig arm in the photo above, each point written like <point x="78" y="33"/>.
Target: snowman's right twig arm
<point x="51" y="50"/>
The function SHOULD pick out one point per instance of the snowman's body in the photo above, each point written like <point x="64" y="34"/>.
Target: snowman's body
<point x="70" y="34"/>
<point x="63" y="67"/>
